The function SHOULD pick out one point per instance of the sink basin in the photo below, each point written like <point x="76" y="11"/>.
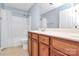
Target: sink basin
<point x="76" y="36"/>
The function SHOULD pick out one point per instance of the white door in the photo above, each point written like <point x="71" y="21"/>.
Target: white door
<point x="6" y="38"/>
<point x="13" y="29"/>
<point x="19" y="29"/>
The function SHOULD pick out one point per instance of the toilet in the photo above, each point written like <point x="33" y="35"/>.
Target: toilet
<point x="24" y="43"/>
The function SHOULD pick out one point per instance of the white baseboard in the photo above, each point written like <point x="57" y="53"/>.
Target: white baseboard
<point x="13" y="45"/>
<point x="25" y="46"/>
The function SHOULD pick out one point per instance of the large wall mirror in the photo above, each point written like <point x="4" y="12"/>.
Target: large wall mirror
<point x="64" y="15"/>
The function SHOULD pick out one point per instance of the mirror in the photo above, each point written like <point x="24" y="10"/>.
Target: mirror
<point x="61" y="16"/>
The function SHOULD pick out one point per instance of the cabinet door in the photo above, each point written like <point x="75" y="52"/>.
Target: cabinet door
<point x="55" y="52"/>
<point x="43" y="50"/>
<point x="29" y="46"/>
<point x="34" y="47"/>
<point x="65" y="46"/>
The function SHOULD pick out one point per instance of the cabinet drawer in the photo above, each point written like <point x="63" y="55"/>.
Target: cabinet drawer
<point x="65" y="46"/>
<point x="29" y="34"/>
<point x="44" y="39"/>
<point x="35" y="36"/>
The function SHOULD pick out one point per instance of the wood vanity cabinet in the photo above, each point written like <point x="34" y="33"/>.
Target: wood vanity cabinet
<point x="44" y="45"/>
<point x="67" y="47"/>
<point x="29" y="43"/>
<point x="34" y="48"/>
<point x="34" y="44"/>
<point x="53" y="51"/>
<point x="43" y="50"/>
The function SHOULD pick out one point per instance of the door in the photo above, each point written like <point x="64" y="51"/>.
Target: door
<point x="0" y="31"/>
<point x="43" y="50"/>
<point x="13" y="28"/>
<point x="6" y="28"/>
<point x="19" y="29"/>
<point x="34" y="47"/>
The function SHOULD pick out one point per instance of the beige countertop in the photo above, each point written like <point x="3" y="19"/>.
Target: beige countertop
<point x="68" y="34"/>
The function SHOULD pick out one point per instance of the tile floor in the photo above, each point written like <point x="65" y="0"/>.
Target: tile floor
<point x="14" y="51"/>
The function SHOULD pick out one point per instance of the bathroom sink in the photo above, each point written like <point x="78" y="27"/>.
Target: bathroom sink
<point x="76" y="36"/>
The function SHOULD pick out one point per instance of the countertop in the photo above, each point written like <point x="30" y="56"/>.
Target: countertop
<point x="69" y="34"/>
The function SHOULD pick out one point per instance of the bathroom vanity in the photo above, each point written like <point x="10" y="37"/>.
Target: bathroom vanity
<point x="53" y="43"/>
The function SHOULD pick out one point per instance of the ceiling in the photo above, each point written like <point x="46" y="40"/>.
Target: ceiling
<point x="21" y="6"/>
<point x="44" y="7"/>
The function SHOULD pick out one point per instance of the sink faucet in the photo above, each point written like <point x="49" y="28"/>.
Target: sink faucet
<point x="75" y="26"/>
<point x="43" y="29"/>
